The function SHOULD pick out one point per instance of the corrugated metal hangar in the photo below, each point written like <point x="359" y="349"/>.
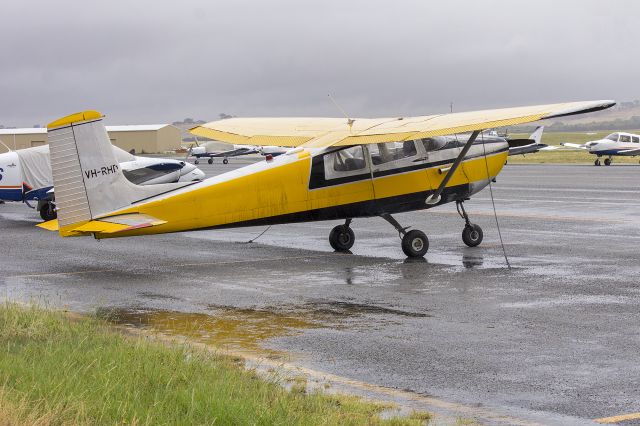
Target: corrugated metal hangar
<point x="142" y="138"/>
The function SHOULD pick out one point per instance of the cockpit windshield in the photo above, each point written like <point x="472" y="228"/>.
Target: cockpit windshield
<point x="613" y="137"/>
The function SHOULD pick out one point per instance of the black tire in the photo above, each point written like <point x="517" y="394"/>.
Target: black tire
<point x="341" y="238"/>
<point x="597" y="162"/>
<point x="225" y="161"/>
<point x="415" y="243"/>
<point x="48" y="212"/>
<point x="607" y="161"/>
<point x="210" y="161"/>
<point x="196" y="161"/>
<point x="472" y="235"/>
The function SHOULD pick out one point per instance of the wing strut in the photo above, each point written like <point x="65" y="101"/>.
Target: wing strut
<point x="435" y="197"/>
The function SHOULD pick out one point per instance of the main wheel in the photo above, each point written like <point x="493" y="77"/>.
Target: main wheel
<point x="597" y="162"/>
<point x="225" y="161"/>
<point x="210" y="161"/>
<point x="472" y="235"/>
<point x="341" y="238"/>
<point x="607" y="161"/>
<point x="48" y="212"/>
<point x="196" y="161"/>
<point x="415" y="243"/>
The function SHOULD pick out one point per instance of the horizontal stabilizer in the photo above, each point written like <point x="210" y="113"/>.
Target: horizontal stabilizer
<point x="107" y="225"/>
<point x="50" y="225"/>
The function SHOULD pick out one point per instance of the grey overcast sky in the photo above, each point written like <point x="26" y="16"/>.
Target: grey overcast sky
<point x="144" y="61"/>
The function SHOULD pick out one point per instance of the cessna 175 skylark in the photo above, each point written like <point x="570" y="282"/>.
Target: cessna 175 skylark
<point x="620" y="143"/>
<point x="335" y="169"/>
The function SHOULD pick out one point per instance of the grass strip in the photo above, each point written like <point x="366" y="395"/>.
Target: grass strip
<point x="55" y="370"/>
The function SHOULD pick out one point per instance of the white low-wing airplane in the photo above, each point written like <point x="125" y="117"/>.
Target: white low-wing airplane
<point x="25" y="175"/>
<point x="616" y="144"/>
<point x="335" y="169"/>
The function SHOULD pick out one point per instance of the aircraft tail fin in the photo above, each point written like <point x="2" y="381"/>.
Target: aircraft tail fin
<point x="88" y="181"/>
<point x="536" y="136"/>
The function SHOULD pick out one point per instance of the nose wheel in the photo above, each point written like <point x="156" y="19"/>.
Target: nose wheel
<point x="342" y="237"/>
<point x="472" y="234"/>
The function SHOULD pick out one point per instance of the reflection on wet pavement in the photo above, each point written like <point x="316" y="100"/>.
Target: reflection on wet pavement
<point x="247" y="329"/>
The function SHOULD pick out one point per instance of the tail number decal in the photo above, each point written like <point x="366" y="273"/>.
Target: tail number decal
<point x="103" y="171"/>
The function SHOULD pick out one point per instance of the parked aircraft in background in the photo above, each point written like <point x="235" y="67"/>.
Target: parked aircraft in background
<point x="237" y="151"/>
<point x="25" y="175"/>
<point x="334" y="169"/>
<point x="531" y="145"/>
<point x="616" y="144"/>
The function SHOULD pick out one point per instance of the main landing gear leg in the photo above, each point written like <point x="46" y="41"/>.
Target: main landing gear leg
<point x="471" y="234"/>
<point x="414" y="243"/>
<point x="342" y="237"/>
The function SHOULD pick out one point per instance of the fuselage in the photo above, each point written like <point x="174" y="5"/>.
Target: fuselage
<point x="614" y="144"/>
<point x="334" y="183"/>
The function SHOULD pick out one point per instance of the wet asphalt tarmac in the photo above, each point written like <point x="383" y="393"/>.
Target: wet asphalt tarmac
<point x="555" y="339"/>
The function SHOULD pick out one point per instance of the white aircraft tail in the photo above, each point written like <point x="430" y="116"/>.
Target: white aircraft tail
<point x="536" y="136"/>
<point x="87" y="178"/>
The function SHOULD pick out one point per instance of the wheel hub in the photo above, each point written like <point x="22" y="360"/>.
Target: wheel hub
<point x="417" y="244"/>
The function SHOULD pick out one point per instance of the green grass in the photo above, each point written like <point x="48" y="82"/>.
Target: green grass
<point x="56" y="370"/>
<point x="566" y="156"/>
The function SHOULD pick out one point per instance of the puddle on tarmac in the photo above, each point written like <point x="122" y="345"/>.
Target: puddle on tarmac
<point x="248" y="329"/>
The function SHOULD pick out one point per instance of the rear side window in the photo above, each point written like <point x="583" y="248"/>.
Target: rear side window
<point x="385" y="152"/>
<point x="635" y="139"/>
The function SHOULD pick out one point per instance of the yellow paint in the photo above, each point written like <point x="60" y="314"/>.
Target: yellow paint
<point x="75" y="118"/>
<point x="618" y="419"/>
<point x="51" y="225"/>
<point x="98" y="226"/>
<point x="284" y="189"/>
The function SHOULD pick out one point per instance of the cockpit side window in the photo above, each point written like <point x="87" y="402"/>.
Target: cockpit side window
<point x="613" y="137"/>
<point x="382" y="153"/>
<point x="625" y="138"/>
<point x="347" y="160"/>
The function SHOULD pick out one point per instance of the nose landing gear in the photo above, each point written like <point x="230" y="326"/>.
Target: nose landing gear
<point x="472" y="234"/>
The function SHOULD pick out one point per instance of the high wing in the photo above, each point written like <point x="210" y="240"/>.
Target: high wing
<point x="326" y="132"/>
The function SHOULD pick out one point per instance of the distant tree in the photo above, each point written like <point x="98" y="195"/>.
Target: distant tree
<point x="188" y="121"/>
<point x="224" y="116"/>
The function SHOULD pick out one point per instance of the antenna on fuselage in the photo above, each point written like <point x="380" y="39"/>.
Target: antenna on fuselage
<point x="350" y="121"/>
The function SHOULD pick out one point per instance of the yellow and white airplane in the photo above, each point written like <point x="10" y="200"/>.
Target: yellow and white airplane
<point x="335" y="169"/>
